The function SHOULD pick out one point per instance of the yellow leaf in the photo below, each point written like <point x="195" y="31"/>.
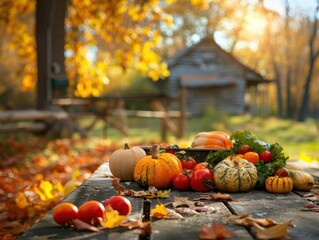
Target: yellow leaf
<point x="159" y="211"/>
<point x="44" y="190"/>
<point x="21" y="200"/>
<point x="112" y="218"/>
<point x="76" y="173"/>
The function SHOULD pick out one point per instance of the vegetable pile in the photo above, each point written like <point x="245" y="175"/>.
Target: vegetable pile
<point x="271" y="156"/>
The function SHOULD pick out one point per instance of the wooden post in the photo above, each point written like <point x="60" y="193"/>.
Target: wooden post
<point x="182" y="108"/>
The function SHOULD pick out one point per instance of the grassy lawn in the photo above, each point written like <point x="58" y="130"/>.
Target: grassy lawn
<point x="299" y="140"/>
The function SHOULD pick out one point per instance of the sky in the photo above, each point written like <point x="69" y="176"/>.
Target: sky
<point x="306" y="6"/>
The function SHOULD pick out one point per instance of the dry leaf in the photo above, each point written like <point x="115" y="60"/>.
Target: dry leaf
<point x="134" y="223"/>
<point x="80" y="225"/>
<point x="274" y="232"/>
<point x="221" y="197"/>
<point x="172" y="214"/>
<point x="214" y="231"/>
<point x="184" y="202"/>
<point x="247" y="221"/>
<point x="152" y="192"/>
<point x="185" y="210"/>
<point x="311" y="208"/>
<point x="160" y="211"/>
<point x="112" y="218"/>
<point x="312" y="197"/>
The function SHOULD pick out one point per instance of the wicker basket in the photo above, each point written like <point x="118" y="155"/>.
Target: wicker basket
<point x="199" y="154"/>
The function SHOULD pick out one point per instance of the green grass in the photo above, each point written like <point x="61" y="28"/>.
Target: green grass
<point x="299" y="140"/>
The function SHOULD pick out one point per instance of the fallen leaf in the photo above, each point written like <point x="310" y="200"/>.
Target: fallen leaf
<point x="312" y="197"/>
<point x="117" y="186"/>
<point x="152" y="192"/>
<point x="160" y="211"/>
<point x="134" y="223"/>
<point x="172" y="214"/>
<point x="162" y="194"/>
<point x="80" y="225"/>
<point x="111" y="218"/>
<point x="274" y="232"/>
<point x="247" y="221"/>
<point x="184" y="202"/>
<point x="221" y="197"/>
<point x="185" y="210"/>
<point x="214" y="231"/>
<point x="311" y="208"/>
<point x="21" y="200"/>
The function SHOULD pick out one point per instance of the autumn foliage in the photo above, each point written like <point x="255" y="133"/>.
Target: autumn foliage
<point x="35" y="176"/>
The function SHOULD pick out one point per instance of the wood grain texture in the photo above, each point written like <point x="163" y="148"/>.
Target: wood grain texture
<point x="257" y="203"/>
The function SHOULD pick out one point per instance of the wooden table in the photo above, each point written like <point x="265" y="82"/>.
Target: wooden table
<point x="257" y="203"/>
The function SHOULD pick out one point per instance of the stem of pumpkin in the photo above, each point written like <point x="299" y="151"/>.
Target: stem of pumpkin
<point x="236" y="164"/>
<point x="154" y="152"/>
<point x="126" y="146"/>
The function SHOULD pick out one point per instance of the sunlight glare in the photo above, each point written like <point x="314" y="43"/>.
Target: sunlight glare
<point x="255" y="23"/>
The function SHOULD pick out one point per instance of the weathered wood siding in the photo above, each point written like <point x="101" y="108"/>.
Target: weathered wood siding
<point x="206" y="58"/>
<point x="225" y="99"/>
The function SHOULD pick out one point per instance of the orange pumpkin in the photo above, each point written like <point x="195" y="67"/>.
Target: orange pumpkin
<point x="213" y="139"/>
<point x="276" y="184"/>
<point x="157" y="169"/>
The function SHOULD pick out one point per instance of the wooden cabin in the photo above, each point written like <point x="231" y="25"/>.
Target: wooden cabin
<point x="211" y="77"/>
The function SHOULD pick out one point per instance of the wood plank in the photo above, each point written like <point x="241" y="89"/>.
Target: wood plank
<point x="281" y="208"/>
<point x="99" y="187"/>
<point x="20" y="115"/>
<point x="25" y="127"/>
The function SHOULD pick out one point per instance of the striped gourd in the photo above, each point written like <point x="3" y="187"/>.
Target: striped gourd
<point x="233" y="175"/>
<point x="157" y="169"/>
<point x="276" y="184"/>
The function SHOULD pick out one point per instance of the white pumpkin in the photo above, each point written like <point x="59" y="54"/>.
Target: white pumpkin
<point x="122" y="162"/>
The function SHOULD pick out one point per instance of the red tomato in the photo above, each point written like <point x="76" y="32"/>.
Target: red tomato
<point x="281" y="172"/>
<point x="188" y="163"/>
<point x="202" y="180"/>
<point x="120" y="204"/>
<point x="251" y="157"/>
<point x="244" y="148"/>
<point x="182" y="181"/>
<point x="202" y="165"/>
<point x="265" y="156"/>
<point x="90" y="211"/>
<point x="64" y="213"/>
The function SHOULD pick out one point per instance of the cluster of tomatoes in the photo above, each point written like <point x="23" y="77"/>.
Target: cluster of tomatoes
<point x="89" y="212"/>
<point x="266" y="156"/>
<point x="254" y="157"/>
<point x="195" y="176"/>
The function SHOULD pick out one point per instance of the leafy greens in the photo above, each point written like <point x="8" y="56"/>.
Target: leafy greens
<point x="264" y="170"/>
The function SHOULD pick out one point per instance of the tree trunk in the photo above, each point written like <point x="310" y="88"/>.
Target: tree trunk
<point x="43" y="41"/>
<point x="50" y="16"/>
<point x="313" y="55"/>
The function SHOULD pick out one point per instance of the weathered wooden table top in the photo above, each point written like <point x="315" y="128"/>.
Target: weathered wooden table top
<point x="257" y="203"/>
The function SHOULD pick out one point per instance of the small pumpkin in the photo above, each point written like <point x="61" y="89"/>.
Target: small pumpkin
<point x="302" y="180"/>
<point x="157" y="169"/>
<point x="276" y="184"/>
<point x="213" y="139"/>
<point x="122" y="162"/>
<point x="233" y="175"/>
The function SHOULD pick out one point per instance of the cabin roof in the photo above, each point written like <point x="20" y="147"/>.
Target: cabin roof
<point x="251" y="76"/>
